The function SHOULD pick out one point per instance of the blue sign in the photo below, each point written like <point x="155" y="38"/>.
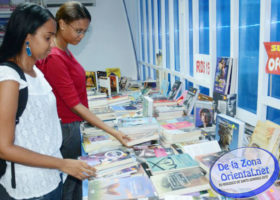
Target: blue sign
<point x="244" y="172"/>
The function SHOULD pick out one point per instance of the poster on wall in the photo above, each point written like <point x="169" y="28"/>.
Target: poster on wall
<point x="203" y="69"/>
<point x="273" y="60"/>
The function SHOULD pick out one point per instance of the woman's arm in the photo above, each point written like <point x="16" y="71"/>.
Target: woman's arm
<point x="9" y="92"/>
<point x="88" y="116"/>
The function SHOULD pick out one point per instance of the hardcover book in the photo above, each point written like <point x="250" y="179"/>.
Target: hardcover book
<point x="229" y="132"/>
<point x="133" y="187"/>
<point x="180" y="182"/>
<point x="170" y="163"/>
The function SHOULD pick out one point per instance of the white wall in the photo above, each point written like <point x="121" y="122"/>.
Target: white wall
<point x="108" y="42"/>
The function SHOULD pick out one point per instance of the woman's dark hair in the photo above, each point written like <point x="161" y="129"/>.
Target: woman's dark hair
<point x="25" y="19"/>
<point x="72" y="11"/>
<point x="207" y="115"/>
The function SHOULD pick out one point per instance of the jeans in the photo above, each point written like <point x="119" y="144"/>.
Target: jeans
<point x="56" y="194"/>
<point x="71" y="148"/>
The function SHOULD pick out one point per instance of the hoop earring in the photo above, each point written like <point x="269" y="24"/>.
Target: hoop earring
<point x="28" y="50"/>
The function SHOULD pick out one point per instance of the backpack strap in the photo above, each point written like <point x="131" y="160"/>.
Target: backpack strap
<point x="23" y="93"/>
<point x="22" y="101"/>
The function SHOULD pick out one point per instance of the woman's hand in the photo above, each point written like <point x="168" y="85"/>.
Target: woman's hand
<point x="123" y="138"/>
<point x="77" y="168"/>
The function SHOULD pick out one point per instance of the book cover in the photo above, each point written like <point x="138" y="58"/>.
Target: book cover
<point x="225" y="104"/>
<point x="104" y="85"/>
<point x="114" y="83"/>
<point x="180" y="182"/>
<point x="115" y="71"/>
<point x="170" y="163"/>
<point x="153" y="150"/>
<point x="222" y="74"/>
<point x="200" y="148"/>
<point x="139" y="136"/>
<point x="91" y="79"/>
<point x="266" y="136"/>
<point x="107" y="159"/>
<point x="176" y="88"/>
<point x="203" y="113"/>
<point x="229" y="132"/>
<point x="207" y="160"/>
<point x="190" y="99"/>
<point x="133" y="187"/>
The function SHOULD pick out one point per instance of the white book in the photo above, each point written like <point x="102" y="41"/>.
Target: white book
<point x="202" y="148"/>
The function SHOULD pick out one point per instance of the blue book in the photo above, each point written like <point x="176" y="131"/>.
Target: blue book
<point x="170" y="163"/>
<point x="229" y="132"/>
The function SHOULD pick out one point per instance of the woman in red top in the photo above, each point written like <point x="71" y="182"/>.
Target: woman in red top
<point x="67" y="78"/>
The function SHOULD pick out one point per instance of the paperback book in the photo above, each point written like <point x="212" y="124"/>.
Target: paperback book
<point x="190" y="99"/>
<point x="229" y="132"/>
<point x="180" y="182"/>
<point x="109" y="159"/>
<point x="175" y="90"/>
<point x="170" y="163"/>
<point x="133" y="187"/>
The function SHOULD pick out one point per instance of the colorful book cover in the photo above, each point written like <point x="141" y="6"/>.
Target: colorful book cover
<point x="148" y="151"/>
<point x="170" y="163"/>
<point x="222" y="73"/>
<point x="203" y="113"/>
<point x="114" y="83"/>
<point x="229" y="132"/>
<point x="178" y="125"/>
<point x="107" y="159"/>
<point x="91" y="79"/>
<point x="133" y="187"/>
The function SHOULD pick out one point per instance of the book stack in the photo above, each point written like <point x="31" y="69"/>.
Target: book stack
<point x="179" y="131"/>
<point x="97" y="102"/>
<point x="109" y="162"/>
<point x="104" y="113"/>
<point x="197" y="148"/>
<point x="125" y="111"/>
<point x="118" y="99"/>
<point x="139" y="136"/>
<point x="138" y="123"/>
<point x="168" y="112"/>
<point x="98" y="140"/>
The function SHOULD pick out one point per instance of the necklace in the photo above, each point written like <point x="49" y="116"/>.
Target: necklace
<point x="63" y="49"/>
